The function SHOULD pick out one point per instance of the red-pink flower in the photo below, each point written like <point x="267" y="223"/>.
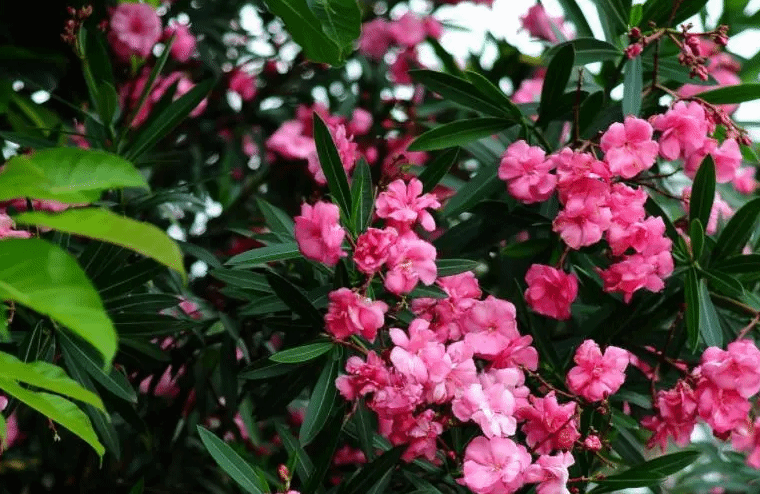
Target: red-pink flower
<point x="637" y="271"/>
<point x="550" y="291"/>
<point x="375" y="38"/>
<point x="551" y="473"/>
<point x="404" y="205"/>
<point x="363" y="377"/>
<point x="184" y="41"/>
<point x="744" y="181"/>
<point x="491" y="325"/>
<point x="319" y="234"/>
<point x="736" y="368"/>
<point x="527" y="172"/>
<point x="628" y="147"/>
<point x="746" y="438"/>
<point x="586" y="214"/>
<point x="242" y="83"/>
<point x="408" y="30"/>
<point x="722" y="409"/>
<point x="539" y="24"/>
<point x="349" y="313"/>
<point x="727" y="158"/>
<point x="494" y="466"/>
<point x="373" y="248"/>
<point x="290" y="142"/>
<point x="548" y="425"/>
<point x="419" y="355"/>
<point x="530" y="89"/>
<point x="7" y="228"/>
<point x="676" y="417"/>
<point x="348" y="151"/>
<point x="135" y="29"/>
<point x="684" y="129"/>
<point x="597" y="375"/>
<point x="410" y="260"/>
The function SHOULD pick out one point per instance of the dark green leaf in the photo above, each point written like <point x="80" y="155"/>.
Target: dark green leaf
<point x="295" y="298"/>
<point x="587" y="50"/>
<point x="327" y="441"/>
<point x="555" y="81"/>
<point x="278" y="221"/>
<point x="574" y="13"/>
<point x="459" y="132"/>
<point x="462" y="92"/>
<point x="484" y="185"/>
<point x="437" y="168"/>
<point x="614" y="15"/>
<point x="662" y="14"/>
<point x="362" y="197"/>
<point x="448" y="267"/>
<point x="732" y="94"/>
<point x="332" y="166"/>
<point x="235" y="466"/>
<point x="263" y="255"/>
<point x="246" y="280"/>
<point x="306" y="30"/>
<point x="632" y="86"/>
<point x="372" y="473"/>
<point x="341" y="21"/>
<point x="738" y="230"/>
<point x="723" y="282"/>
<point x="691" y="295"/>
<point x="745" y="264"/>
<point x="697" y="236"/>
<point x="366" y="426"/>
<point x="302" y="353"/>
<point x="709" y="324"/>
<point x="496" y="95"/>
<point x="304" y="466"/>
<point x="322" y="398"/>
<point x="703" y="192"/>
<point x="648" y="473"/>
<point x="265" y="369"/>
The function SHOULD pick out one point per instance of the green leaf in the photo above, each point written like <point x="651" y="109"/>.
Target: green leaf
<point x="304" y="465"/>
<point x="732" y="94"/>
<point x="57" y="409"/>
<point x="278" y="221"/>
<point x="46" y="376"/>
<point x="648" y="473"/>
<point x="322" y="398"/>
<point x="264" y="255"/>
<point x="723" y="282"/>
<point x="302" y="353"/>
<point x="555" y="81"/>
<point x="235" y="466"/>
<point x="587" y="50"/>
<point x="744" y="264"/>
<point x="496" y="95"/>
<point x="341" y="21"/>
<point x="306" y="30"/>
<point x="662" y="14"/>
<point x="448" y="267"/>
<point x="668" y="69"/>
<point x="327" y="441"/>
<point x="632" y="86"/>
<point x="365" y="429"/>
<point x="637" y="13"/>
<point x="703" y="192"/>
<point x="245" y="280"/>
<point x="463" y="92"/>
<point x="709" y="324"/>
<point x="574" y="13"/>
<point x="295" y="298"/>
<point x="362" y="197"/>
<point x="437" y="168"/>
<point x="161" y="123"/>
<point x="3" y="432"/>
<point x="85" y="356"/>
<point x="481" y="187"/>
<point x="70" y="175"/>
<point x="332" y="166"/>
<point x="738" y="230"/>
<point x="614" y="15"/>
<point x="697" y="236"/>
<point x="691" y="296"/>
<point x="459" y="132"/>
<point x="102" y="224"/>
<point x="48" y="280"/>
<point x="372" y="473"/>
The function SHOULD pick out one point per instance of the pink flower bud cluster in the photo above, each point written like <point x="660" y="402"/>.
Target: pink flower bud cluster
<point x="719" y="392"/>
<point x="538" y="23"/>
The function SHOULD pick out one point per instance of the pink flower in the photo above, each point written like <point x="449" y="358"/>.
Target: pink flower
<point x="642" y="236"/>
<point x="529" y="90"/>
<point x="184" y="41"/>
<point x="573" y="165"/>
<point x="319" y="234"/>
<point x="727" y="159"/>
<point x="346" y="455"/>
<point x="628" y="147"/>
<point x="404" y="62"/>
<point x="746" y="438"/>
<point x="410" y="260"/>
<point x="488" y="404"/>
<point x="550" y="291"/>
<point x="597" y="375"/>
<point x="361" y="122"/>
<point x="405" y="204"/>
<point x="373" y="248"/>
<point x="242" y="83"/>
<point x="721" y="210"/>
<point x="375" y="38"/>
<point x="408" y="30"/>
<point x="166" y="387"/>
<point x="592" y="443"/>
<point x="363" y="377"/>
<point x="419" y="355"/>
<point x="637" y="271"/>
<point x="347" y="150"/>
<point x="135" y="29"/>
<point x="736" y="368"/>
<point x="540" y="25"/>
<point x="349" y="313"/>
<point x="491" y="325"/>
<point x="744" y="180"/>
<point x="684" y="129"/>
<point x="290" y="142"/>
<point x="548" y="425"/>
<point x="526" y="172"/>
<point x="626" y="205"/>
<point x="419" y="431"/>
<point x="722" y="409"/>
<point x="494" y="466"/>
<point x="7" y="228"/>
<point x="677" y="415"/>
<point x="586" y="214"/>
<point x="551" y="473"/>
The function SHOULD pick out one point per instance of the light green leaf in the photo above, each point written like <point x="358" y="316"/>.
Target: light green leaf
<point x="49" y="280"/>
<point x="302" y="353"/>
<point x="102" y="224"/>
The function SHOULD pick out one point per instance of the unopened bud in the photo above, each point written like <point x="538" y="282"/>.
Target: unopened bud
<point x="283" y="472"/>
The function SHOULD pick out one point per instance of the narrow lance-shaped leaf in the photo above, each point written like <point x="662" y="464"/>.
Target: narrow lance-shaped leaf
<point x="691" y="295"/>
<point x="557" y="76"/>
<point x="102" y="224"/>
<point x="341" y="21"/>
<point x="738" y="230"/>
<point x="459" y="133"/>
<point x="709" y="324"/>
<point x="322" y="398"/>
<point x="49" y="280"/>
<point x="362" y="197"/>
<point x="235" y="466"/>
<point x="264" y="255"/>
<point x="332" y="166"/>
<point x="632" y="86"/>
<point x="729" y="95"/>
<point x="295" y="298"/>
<point x="437" y="168"/>
<point x="703" y="192"/>
<point x="306" y="30"/>
<point x="461" y="91"/>
<point x="302" y="353"/>
<point x="372" y="473"/>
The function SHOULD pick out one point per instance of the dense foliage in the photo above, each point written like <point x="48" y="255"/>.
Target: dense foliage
<point x="298" y="247"/>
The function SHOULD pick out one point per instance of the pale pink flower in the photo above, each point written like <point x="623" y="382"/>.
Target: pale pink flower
<point x="375" y="38"/>
<point x="684" y="129"/>
<point x="349" y="313"/>
<point x="290" y="142"/>
<point x="410" y="260"/>
<point x="319" y="234"/>
<point x="408" y="30"/>
<point x="573" y="165"/>
<point x="7" y="228"/>
<point x="418" y="354"/>
<point x="530" y="89"/>
<point x="488" y="404"/>
<point x="184" y="41"/>
<point x="549" y="426"/>
<point x="727" y="158"/>
<point x="551" y="473"/>
<point x="586" y="214"/>
<point x="746" y="438"/>
<point x="166" y="387"/>
<point x="626" y="204"/>
<point x="373" y="248"/>
<point x="135" y="29"/>
<point x="597" y="375"/>
<point x="628" y="147"/>
<point x="642" y="236"/>
<point x="550" y="291"/>
<point x="494" y="466"/>
<point x="744" y="180"/>
<point x="242" y="83"/>
<point x="404" y="204"/>
<point x="527" y="172"/>
<point x="490" y="326"/>
<point x="348" y="151"/>
<point x="736" y="368"/>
